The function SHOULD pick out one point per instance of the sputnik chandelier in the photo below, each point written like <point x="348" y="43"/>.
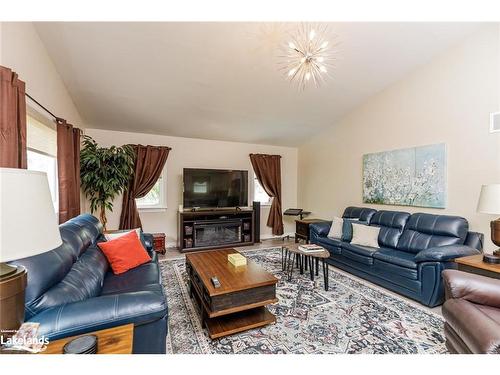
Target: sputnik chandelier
<point x="309" y="55"/>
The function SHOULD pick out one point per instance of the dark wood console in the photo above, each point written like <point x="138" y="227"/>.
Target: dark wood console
<point x="215" y="229"/>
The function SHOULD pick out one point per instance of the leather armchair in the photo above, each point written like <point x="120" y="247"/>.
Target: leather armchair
<point x="472" y="313"/>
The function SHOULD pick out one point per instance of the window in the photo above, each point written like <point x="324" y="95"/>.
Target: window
<point x="41" y="140"/>
<point x="156" y="198"/>
<point x="259" y="194"/>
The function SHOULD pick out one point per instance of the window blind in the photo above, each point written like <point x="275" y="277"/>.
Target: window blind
<point x="41" y="137"/>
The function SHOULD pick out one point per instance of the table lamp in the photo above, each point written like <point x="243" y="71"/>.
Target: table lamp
<point x="28" y="227"/>
<point x="489" y="203"/>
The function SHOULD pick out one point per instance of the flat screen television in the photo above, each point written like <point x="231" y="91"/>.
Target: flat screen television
<point x="215" y="188"/>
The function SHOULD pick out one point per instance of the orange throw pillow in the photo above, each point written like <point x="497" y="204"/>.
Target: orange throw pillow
<point x="125" y="252"/>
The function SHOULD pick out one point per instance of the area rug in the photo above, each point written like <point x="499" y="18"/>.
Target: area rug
<point x="353" y="316"/>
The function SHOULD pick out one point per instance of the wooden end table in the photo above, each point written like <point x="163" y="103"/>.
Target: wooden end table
<point x="475" y="264"/>
<point x="116" y="340"/>
<point x="240" y="302"/>
<point x="292" y="254"/>
<point x="159" y="240"/>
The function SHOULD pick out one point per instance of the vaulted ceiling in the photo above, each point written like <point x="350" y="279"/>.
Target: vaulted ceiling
<point x="221" y="80"/>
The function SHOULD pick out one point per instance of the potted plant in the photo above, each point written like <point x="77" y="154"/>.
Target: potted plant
<point x="104" y="174"/>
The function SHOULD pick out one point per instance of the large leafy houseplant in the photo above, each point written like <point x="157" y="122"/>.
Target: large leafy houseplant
<point x="104" y="174"/>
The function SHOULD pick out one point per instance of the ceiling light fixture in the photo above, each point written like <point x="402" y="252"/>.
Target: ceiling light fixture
<point x="309" y="55"/>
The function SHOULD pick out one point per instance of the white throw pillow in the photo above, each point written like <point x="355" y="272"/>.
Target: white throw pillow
<point x="115" y="235"/>
<point x="364" y="235"/>
<point x="336" y="228"/>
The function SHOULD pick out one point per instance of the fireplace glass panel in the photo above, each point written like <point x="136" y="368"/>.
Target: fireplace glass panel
<point x="217" y="233"/>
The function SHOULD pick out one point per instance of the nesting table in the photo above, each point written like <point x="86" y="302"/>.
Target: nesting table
<point x="292" y="255"/>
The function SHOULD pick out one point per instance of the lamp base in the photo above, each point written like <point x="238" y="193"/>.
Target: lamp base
<point x="6" y="270"/>
<point x="12" y="288"/>
<point x="495" y="231"/>
<point x="492" y="259"/>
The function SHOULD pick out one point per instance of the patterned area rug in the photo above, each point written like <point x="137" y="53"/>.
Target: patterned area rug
<point x="352" y="317"/>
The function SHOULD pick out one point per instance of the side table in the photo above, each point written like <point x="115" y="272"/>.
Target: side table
<point x="159" y="242"/>
<point x="116" y="340"/>
<point x="291" y="254"/>
<point x="475" y="264"/>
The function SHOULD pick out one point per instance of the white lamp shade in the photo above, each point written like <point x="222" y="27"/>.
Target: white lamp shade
<point x="489" y="199"/>
<point x="28" y="222"/>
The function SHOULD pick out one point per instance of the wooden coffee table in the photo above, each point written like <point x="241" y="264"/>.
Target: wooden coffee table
<point x="240" y="302"/>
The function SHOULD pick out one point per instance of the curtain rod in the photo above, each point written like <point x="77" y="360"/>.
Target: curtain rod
<point x="41" y="106"/>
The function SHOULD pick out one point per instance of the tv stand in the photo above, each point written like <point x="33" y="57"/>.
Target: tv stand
<point x="204" y="229"/>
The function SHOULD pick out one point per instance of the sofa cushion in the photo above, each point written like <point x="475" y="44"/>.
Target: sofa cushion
<point x="388" y="270"/>
<point x="391" y="225"/>
<point x="462" y="316"/>
<point x="425" y="230"/>
<point x="90" y="225"/>
<point x="83" y="281"/>
<point x="357" y="257"/>
<point x="361" y="213"/>
<point x="367" y="251"/>
<point x="475" y="240"/>
<point x="397" y="257"/>
<point x="362" y="254"/>
<point x="133" y="280"/>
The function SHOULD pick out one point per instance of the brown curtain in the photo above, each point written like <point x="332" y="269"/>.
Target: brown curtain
<point x="149" y="163"/>
<point x="13" y="152"/>
<point x="68" y="170"/>
<point x="267" y="168"/>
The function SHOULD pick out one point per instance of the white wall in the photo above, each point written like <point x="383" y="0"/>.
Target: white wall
<point x="199" y="153"/>
<point x="447" y="100"/>
<point x="23" y="52"/>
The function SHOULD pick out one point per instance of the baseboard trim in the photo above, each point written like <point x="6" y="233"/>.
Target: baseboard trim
<point x="273" y="237"/>
<point x="173" y="244"/>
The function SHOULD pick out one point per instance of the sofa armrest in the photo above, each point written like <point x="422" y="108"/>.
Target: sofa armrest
<point x="474" y="288"/>
<point x="320" y="229"/>
<point x="444" y="253"/>
<point x="101" y="312"/>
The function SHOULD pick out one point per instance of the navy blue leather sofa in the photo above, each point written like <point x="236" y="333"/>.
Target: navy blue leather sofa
<point x="414" y="250"/>
<point x="72" y="290"/>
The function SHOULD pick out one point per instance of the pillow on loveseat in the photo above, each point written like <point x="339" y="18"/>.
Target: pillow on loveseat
<point x="125" y="252"/>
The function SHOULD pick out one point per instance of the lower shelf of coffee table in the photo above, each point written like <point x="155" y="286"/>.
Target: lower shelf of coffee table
<point x="238" y="322"/>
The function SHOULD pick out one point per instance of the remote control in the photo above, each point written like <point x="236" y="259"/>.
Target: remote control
<point x="215" y="281"/>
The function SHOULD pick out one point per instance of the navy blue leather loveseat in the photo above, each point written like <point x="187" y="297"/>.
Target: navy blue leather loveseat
<point x="413" y="250"/>
<point x="72" y="290"/>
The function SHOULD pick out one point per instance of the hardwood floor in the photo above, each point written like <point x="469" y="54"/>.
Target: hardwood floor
<point x="174" y="253"/>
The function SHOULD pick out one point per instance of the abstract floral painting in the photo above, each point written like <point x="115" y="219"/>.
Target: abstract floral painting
<point x="409" y="177"/>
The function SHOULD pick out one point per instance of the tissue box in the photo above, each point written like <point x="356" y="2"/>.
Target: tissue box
<point x="237" y="259"/>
